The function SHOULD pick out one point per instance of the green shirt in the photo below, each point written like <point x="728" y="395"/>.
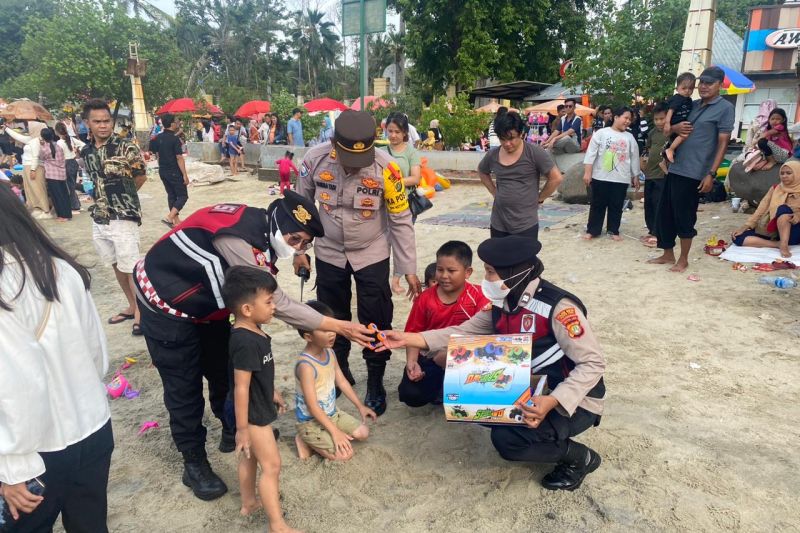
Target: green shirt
<point x="405" y="159"/>
<point x="655" y="145"/>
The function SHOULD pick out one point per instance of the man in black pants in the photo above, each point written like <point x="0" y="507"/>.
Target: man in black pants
<point x="365" y="212"/>
<point x="167" y="147"/>
<point x="708" y="127"/>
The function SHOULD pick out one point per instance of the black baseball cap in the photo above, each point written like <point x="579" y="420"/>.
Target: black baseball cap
<point x="501" y="252"/>
<point x="712" y="75"/>
<point x="354" y="139"/>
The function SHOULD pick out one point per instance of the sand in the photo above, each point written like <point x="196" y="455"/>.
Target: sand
<point x="699" y="434"/>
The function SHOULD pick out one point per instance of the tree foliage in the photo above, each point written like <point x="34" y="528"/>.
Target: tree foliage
<point x="736" y="13"/>
<point x="90" y="59"/>
<point x="282" y="105"/>
<point x="458" y="121"/>
<point x="461" y="42"/>
<point x="635" y="52"/>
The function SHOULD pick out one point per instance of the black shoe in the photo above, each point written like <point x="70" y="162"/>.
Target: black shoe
<point x="205" y="484"/>
<point x="566" y="476"/>
<point x="227" y="442"/>
<point x="375" y="398"/>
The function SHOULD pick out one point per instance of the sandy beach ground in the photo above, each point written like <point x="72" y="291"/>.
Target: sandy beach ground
<point x="700" y="431"/>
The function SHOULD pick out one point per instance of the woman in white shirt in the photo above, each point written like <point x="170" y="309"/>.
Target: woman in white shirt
<point x="32" y="174"/>
<point x="610" y="166"/>
<point x="54" y="416"/>
<point x="71" y="147"/>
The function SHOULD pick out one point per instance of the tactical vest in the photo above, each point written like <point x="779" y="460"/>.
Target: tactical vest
<point x="186" y="271"/>
<point x="535" y="317"/>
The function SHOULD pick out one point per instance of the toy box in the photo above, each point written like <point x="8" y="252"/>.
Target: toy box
<point x="486" y="375"/>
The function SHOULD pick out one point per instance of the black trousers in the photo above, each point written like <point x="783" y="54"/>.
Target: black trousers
<point x="72" y="180"/>
<point x="606" y="196"/>
<point x="533" y="232"/>
<point x="59" y="195"/>
<point x="653" y="189"/>
<point x="545" y="444"/>
<point x="177" y="195"/>
<point x="184" y="353"/>
<point x="373" y="300"/>
<point x="425" y="391"/>
<point x="76" y="483"/>
<point x="677" y="210"/>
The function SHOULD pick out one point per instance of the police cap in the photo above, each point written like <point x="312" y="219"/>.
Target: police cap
<point x="298" y="213"/>
<point x="354" y="139"/>
<point x="501" y="252"/>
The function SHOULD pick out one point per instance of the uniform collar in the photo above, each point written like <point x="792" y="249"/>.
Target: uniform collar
<point x="529" y="293"/>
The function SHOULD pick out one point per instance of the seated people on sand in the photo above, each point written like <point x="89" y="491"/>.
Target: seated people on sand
<point x="564" y="348"/>
<point x="566" y="138"/>
<point x="449" y="302"/>
<point x="776" y="222"/>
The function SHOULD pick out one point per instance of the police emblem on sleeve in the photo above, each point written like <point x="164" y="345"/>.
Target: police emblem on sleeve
<point x="528" y="324"/>
<point x="304" y="170"/>
<point x="301" y="215"/>
<point x="259" y="257"/>
<point x="569" y="319"/>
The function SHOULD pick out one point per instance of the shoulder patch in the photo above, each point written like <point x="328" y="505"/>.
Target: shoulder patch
<point x="260" y="258"/>
<point x="228" y="209"/>
<point x="304" y="170"/>
<point x="569" y="319"/>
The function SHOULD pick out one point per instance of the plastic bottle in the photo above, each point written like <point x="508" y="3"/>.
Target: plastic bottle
<point x="778" y="281"/>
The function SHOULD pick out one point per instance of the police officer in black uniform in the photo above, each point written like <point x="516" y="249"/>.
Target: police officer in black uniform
<point x="185" y="322"/>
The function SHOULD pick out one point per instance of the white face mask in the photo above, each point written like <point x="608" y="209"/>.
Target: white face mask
<point x="278" y="243"/>
<point x="495" y="290"/>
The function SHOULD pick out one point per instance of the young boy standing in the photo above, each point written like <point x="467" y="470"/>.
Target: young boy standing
<point x="655" y="169"/>
<point x="451" y="301"/>
<point x="248" y="293"/>
<point x="321" y="427"/>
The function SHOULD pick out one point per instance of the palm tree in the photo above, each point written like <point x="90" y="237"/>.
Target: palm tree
<point x="143" y="7"/>
<point x="316" y="43"/>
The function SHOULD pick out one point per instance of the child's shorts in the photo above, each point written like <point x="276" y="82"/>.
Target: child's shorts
<point x="318" y="437"/>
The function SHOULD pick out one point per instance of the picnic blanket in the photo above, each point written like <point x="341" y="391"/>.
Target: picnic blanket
<point x="477" y="215"/>
<point x="751" y="254"/>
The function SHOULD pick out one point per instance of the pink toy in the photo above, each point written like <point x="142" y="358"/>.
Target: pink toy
<point x="147" y="426"/>
<point x="118" y="386"/>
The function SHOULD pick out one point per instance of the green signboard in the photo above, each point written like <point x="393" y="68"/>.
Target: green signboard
<point x="374" y="17"/>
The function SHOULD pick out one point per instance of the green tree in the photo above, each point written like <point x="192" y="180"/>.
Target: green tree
<point x="461" y="42"/>
<point x="282" y="105"/>
<point x="15" y="15"/>
<point x="90" y="59"/>
<point x="635" y="52"/>
<point x="148" y="9"/>
<point x="316" y="44"/>
<point x="458" y="121"/>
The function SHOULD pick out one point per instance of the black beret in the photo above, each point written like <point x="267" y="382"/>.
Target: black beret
<point x="301" y="213"/>
<point x="509" y="251"/>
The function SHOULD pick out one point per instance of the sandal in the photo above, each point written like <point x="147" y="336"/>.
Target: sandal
<point x="167" y="223"/>
<point x="119" y="318"/>
<point x="136" y="330"/>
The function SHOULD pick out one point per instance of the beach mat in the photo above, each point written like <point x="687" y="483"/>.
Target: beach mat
<point x="751" y="254"/>
<point x="477" y="215"/>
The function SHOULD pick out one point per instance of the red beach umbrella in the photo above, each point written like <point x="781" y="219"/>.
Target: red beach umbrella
<point x="371" y="102"/>
<point x="324" y="104"/>
<point x="252" y="107"/>
<point x="187" y="105"/>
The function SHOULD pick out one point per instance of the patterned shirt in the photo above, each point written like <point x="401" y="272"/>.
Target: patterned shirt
<point x="113" y="168"/>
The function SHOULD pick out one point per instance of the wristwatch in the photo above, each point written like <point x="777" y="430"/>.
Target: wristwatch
<point x="712" y="173"/>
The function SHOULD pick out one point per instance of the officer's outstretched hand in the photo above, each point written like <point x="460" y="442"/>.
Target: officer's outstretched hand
<point x="355" y="332"/>
<point x="534" y="414"/>
<point x="299" y="262"/>
<point x="414" y="286"/>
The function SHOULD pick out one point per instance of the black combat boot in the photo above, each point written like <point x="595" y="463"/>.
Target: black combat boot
<point x="376" y="394"/>
<point x="578" y="462"/>
<point x="198" y="476"/>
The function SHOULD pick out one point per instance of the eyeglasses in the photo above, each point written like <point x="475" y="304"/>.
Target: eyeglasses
<point x="569" y="106"/>
<point x="294" y="241"/>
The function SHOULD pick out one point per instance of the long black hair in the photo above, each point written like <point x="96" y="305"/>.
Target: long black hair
<point x="23" y="239"/>
<point x="49" y="136"/>
<point x="61" y="129"/>
<point x="401" y="121"/>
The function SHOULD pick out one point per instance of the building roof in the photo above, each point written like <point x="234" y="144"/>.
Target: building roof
<point x="727" y="50"/>
<point x="515" y="90"/>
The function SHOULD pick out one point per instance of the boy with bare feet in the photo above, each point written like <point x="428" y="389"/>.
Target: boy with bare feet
<point x="248" y="293"/>
<point x="321" y="427"/>
<point x="680" y="105"/>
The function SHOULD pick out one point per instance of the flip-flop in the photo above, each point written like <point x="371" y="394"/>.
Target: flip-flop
<point x="136" y="330"/>
<point x="120" y="317"/>
<point x="167" y="223"/>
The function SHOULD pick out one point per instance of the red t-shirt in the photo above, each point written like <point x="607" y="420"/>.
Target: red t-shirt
<point x="429" y="312"/>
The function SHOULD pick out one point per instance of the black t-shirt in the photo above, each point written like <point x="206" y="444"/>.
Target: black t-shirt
<point x="253" y="352"/>
<point x="168" y="146"/>
<point x="681" y="106"/>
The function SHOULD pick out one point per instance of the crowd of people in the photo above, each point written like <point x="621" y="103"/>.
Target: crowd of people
<point x="355" y="204"/>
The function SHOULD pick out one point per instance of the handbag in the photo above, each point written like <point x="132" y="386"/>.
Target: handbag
<point x="418" y="203"/>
